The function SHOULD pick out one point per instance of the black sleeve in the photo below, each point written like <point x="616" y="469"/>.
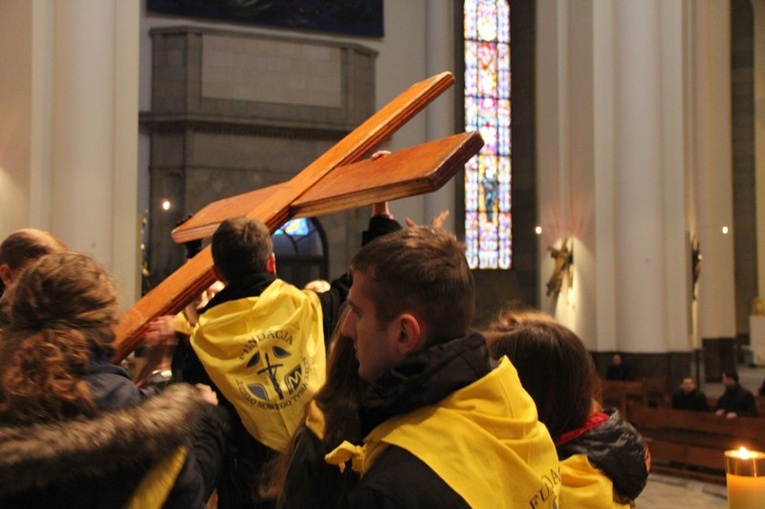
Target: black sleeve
<point x="331" y="304"/>
<point x="208" y="441"/>
<point x="187" y="489"/>
<point x="188" y="368"/>
<point x="750" y="406"/>
<point x="381" y="486"/>
<point x="379" y="226"/>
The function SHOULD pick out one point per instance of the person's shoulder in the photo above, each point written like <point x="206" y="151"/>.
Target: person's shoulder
<point x="400" y="479"/>
<point x="111" y="387"/>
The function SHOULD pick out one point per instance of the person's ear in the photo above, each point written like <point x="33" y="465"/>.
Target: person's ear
<point x="6" y="274"/>
<point x="271" y="264"/>
<point x="411" y="336"/>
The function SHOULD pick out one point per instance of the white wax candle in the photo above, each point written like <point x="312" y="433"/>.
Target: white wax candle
<point x="745" y="479"/>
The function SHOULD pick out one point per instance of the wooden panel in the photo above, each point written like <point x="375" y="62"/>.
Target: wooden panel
<point x="183" y="285"/>
<point x="404" y="173"/>
<point x="704" y="422"/>
<point x="686" y="454"/>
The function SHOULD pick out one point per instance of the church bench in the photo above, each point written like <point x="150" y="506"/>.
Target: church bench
<point x="759" y="400"/>
<point x="692" y="444"/>
<point x="618" y="394"/>
<point x="647" y="391"/>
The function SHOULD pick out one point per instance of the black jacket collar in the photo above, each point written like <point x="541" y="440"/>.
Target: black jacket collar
<point x="425" y="379"/>
<point x="251" y="285"/>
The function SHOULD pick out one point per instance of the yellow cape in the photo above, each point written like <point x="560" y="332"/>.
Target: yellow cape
<point x="585" y="486"/>
<point x="484" y="440"/>
<point x="266" y="355"/>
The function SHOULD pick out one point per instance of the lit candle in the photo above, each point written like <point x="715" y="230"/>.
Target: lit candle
<point x="745" y="476"/>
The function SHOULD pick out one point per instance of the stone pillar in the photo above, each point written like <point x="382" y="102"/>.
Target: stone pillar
<point x="83" y="118"/>
<point x="638" y="203"/>
<point x="440" y="115"/>
<point x="713" y="162"/>
<point x="759" y="133"/>
<point x="72" y="80"/>
<point x="95" y="126"/>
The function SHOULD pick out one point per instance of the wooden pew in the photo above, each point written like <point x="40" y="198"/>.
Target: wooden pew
<point x="692" y="444"/>
<point x="618" y="394"/>
<point x="646" y="391"/>
<point x="656" y="393"/>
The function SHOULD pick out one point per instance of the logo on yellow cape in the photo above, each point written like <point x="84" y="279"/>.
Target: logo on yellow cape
<point x="280" y="376"/>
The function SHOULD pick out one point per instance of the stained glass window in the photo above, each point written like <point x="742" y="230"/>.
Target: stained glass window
<point x="488" y="232"/>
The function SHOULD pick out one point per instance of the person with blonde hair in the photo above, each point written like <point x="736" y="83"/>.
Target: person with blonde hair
<point x="75" y="431"/>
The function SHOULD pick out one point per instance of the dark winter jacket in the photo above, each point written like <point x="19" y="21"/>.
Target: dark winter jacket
<point x="99" y="462"/>
<point x="694" y="401"/>
<point x="739" y="400"/>
<point x="453" y="383"/>
<point x="617" y="450"/>
<point x="311" y="482"/>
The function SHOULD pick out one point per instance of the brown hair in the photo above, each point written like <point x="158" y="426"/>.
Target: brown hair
<point x="26" y="245"/>
<point x="62" y="312"/>
<point x="420" y="269"/>
<point x="241" y="246"/>
<point x="555" y="368"/>
<point x="338" y="399"/>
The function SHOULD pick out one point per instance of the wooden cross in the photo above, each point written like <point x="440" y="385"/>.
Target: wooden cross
<point x="330" y="184"/>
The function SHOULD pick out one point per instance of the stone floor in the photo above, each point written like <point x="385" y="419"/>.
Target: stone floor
<point x="664" y="492"/>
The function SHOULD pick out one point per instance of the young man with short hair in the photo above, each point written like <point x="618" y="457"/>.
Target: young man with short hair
<point x="261" y="343"/>
<point x="736" y="401"/>
<point x="444" y="427"/>
<point x="688" y="397"/>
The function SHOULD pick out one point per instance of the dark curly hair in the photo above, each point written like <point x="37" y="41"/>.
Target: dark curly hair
<point x="63" y="311"/>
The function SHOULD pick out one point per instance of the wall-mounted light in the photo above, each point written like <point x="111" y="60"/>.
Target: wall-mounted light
<point x="538" y="230"/>
<point x="725" y="230"/>
<point x="165" y="205"/>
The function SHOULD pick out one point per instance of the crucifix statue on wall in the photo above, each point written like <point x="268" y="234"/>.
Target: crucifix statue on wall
<point x="336" y="181"/>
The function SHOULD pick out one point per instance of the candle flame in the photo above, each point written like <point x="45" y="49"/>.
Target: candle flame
<point x="743" y="453"/>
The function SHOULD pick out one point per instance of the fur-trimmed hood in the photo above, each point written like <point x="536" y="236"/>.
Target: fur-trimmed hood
<point x="34" y="457"/>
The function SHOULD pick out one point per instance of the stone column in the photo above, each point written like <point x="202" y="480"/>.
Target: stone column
<point x="95" y="129"/>
<point x="440" y="115"/>
<point x="638" y="203"/>
<point x="713" y="162"/>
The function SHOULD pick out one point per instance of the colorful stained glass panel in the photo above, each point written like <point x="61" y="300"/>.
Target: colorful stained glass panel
<point x="488" y="176"/>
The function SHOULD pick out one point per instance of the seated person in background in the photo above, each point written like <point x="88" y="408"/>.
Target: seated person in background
<point x="75" y="430"/>
<point x="260" y="343"/>
<point x="735" y="401"/>
<point x="688" y="397"/>
<point x="618" y="370"/>
<point x="604" y="462"/>
<point x="443" y="426"/>
<point x="17" y="251"/>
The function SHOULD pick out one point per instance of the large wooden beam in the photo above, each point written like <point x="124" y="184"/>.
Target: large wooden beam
<point x="408" y="172"/>
<point x="183" y="285"/>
